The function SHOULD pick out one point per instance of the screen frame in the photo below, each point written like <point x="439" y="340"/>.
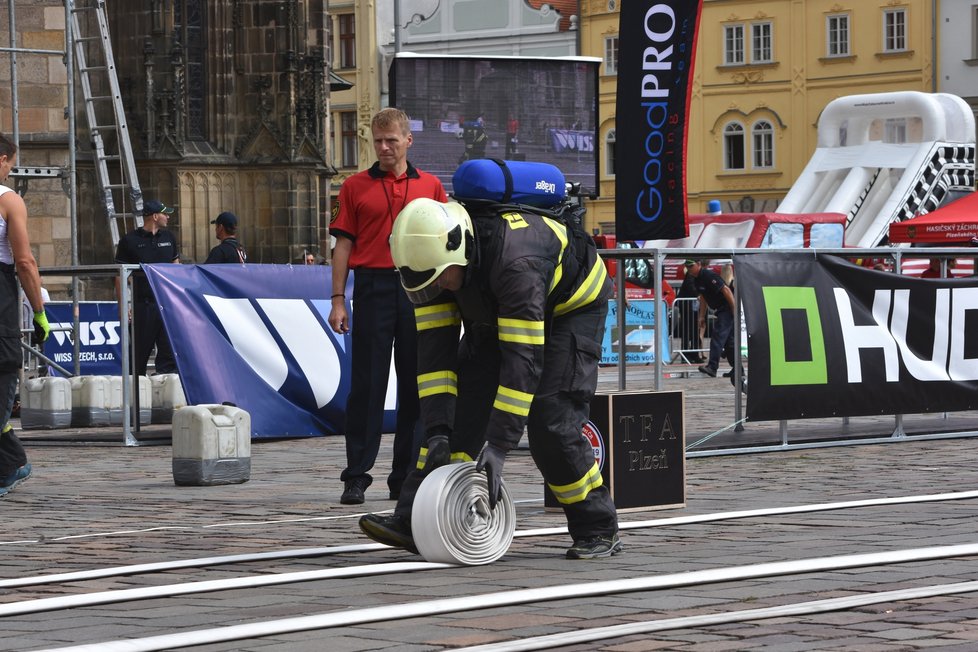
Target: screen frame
<point x="589" y="181"/>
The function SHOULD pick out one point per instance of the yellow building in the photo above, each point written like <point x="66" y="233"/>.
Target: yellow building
<point x="764" y="71"/>
<point x="354" y="57"/>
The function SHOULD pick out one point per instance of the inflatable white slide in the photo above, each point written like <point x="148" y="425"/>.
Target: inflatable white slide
<point x="886" y="157"/>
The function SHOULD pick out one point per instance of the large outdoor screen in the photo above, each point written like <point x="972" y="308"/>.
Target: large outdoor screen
<point x="515" y="108"/>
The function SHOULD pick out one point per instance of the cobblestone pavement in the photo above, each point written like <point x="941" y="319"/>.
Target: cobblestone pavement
<point x="93" y="505"/>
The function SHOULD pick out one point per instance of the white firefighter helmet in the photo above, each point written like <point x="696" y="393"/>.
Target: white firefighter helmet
<point x="427" y="237"/>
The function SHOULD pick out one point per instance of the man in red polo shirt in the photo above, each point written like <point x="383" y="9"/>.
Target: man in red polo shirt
<point x="368" y="203"/>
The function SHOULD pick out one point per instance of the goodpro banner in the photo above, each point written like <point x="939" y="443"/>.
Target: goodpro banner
<point x="257" y="336"/>
<point x="656" y="46"/>
<point x="829" y="338"/>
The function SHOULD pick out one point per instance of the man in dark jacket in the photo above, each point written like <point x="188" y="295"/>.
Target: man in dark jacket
<point x="150" y="243"/>
<point x="229" y="250"/>
<point x="532" y="295"/>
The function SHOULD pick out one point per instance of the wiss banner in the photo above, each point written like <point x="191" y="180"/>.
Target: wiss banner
<point x="656" y="47"/>
<point x="829" y="338"/>
<point x="257" y="336"/>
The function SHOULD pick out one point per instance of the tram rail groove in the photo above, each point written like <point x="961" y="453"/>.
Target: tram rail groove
<point x="351" y="617"/>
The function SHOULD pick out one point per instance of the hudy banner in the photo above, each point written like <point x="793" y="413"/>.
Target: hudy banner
<point x="257" y="336"/>
<point x="829" y="338"/>
<point x="656" y="47"/>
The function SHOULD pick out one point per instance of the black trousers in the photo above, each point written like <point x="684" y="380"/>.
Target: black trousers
<point x="383" y="319"/>
<point x="149" y="332"/>
<point x="560" y="408"/>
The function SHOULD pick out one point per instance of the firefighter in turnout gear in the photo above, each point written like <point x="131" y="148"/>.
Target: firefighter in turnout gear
<point x="531" y="293"/>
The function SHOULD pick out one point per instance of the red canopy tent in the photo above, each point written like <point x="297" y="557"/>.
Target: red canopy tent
<point x="955" y="223"/>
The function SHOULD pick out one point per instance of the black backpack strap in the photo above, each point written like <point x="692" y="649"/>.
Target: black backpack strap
<point x="508" y="177"/>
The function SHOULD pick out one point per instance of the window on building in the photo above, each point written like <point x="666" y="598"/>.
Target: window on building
<point x="611" y="55"/>
<point x="190" y="23"/>
<point x="837" y="35"/>
<point x="348" y="41"/>
<point x="348" y="139"/>
<point x="894" y="30"/>
<point x="733" y="146"/>
<point x="733" y="45"/>
<point x="763" y="133"/>
<point x="762" y="43"/>
<point x="609" y="153"/>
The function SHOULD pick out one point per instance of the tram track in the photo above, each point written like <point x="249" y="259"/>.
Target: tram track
<point x="299" y="553"/>
<point x="429" y="607"/>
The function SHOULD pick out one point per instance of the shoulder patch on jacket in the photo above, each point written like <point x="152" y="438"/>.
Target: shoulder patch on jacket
<point x="515" y="220"/>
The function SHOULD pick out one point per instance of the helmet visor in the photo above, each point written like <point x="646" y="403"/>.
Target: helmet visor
<point x="419" y="286"/>
<point x="425" y="294"/>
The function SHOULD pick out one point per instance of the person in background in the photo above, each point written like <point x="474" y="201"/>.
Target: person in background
<point x="713" y="293"/>
<point x="688" y="324"/>
<point x="512" y="133"/>
<point x="309" y="258"/>
<point x="16" y="262"/>
<point x="150" y="243"/>
<point x="368" y="203"/>
<point x="229" y="250"/>
<point x="933" y="269"/>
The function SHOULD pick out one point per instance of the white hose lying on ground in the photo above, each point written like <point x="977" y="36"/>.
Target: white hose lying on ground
<point x="451" y="520"/>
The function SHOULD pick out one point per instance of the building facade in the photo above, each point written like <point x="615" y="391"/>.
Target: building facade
<point x="763" y="72"/>
<point x="226" y="103"/>
<point x="365" y="36"/>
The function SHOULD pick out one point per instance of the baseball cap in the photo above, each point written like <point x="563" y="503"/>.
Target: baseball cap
<point x="689" y="263"/>
<point x="226" y="219"/>
<point x="152" y="206"/>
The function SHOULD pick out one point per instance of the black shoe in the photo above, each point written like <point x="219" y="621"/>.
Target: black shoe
<point x="353" y="490"/>
<point x="709" y="371"/>
<point x="728" y="374"/>
<point x="595" y="547"/>
<point x="390" y="530"/>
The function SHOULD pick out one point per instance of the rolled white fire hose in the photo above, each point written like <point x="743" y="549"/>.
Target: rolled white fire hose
<point x="451" y="521"/>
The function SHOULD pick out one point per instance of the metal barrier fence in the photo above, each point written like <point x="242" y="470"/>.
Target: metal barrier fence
<point x="685" y="348"/>
<point x="657" y="258"/>
<point x="130" y="393"/>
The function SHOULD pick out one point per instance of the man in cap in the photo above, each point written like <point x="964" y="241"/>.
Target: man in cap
<point x="229" y="250"/>
<point x="150" y="243"/>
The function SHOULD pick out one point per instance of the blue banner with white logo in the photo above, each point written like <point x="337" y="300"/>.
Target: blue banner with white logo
<point x="656" y="46"/>
<point x="257" y="336"/>
<point x="99" y="342"/>
<point x="830" y="338"/>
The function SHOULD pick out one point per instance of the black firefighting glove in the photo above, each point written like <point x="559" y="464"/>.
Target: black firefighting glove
<point x="491" y="460"/>
<point x="41" y="327"/>
<point x="439" y="451"/>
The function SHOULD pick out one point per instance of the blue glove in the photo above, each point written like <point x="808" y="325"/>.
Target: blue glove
<point x="491" y="460"/>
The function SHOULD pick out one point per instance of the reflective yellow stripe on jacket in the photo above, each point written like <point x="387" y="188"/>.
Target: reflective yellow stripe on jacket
<point x="521" y="331"/>
<point x="437" y="316"/>
<point x="561" y="232"/>
<point x="437" y="382"/>
<point x="513" y="401"/>
<point x="589" y="291"/>
<point x="578" y="491"/>
<point x="455" y="458"/>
